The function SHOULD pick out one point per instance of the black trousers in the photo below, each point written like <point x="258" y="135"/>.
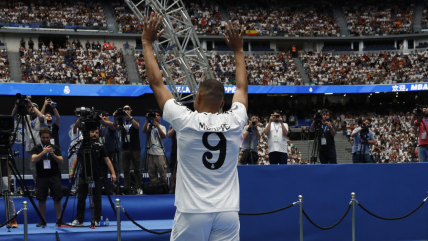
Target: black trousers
<point x="82" y="193"/>
<point x="328" y="156"/>
<point x="250" y="157"/>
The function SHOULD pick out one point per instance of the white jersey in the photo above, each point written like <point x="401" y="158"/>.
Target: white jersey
<point x="207" y="157"/>
<point x="277" y="141"/>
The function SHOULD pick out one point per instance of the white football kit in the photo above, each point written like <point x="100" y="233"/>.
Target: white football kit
<point x="207" y="177"/>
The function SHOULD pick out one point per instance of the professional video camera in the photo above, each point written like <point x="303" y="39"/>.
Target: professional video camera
<point x="364" y="133"/>
<point x="318" y="117"/>
<point x="419" y="111"/>
<point x="250" y="129"/>
<point x="22" y="103"/>
<point x="151" y="115"/>
<point x="89" y="121"/>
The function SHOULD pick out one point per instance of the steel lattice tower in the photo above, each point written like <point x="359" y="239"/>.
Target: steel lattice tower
<point x="188" y="59"/>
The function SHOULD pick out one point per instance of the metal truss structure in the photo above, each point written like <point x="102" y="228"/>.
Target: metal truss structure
<point x="182" y="62"/>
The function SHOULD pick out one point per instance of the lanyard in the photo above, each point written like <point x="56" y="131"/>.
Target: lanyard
<point x="127" y="127"/>
<point x="325" y="128"/>
<point x="47" y="154"/>
<point x="156" y="133"/>
<point x="33" y="122"/>
<point x="274" y="126"/>
<point x="425" y="124"/>
<point x="78" y="136"/>
<point x="102" y="129"/>
<point x="50" y="128"/>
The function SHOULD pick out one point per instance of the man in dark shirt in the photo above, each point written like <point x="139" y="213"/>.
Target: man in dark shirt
<point x="109" y="140"/>
<point x="30" y="44"/>
<point x="327" y="131"/>
<point x="94" y="46"/>
<point x="47" y="157"/>
<point x="98" y="45"/>
<point x="53" y="127"/>
<point x="98" y="174"/>
<point x="131" y="149"/>
<point x="88" y="45"/>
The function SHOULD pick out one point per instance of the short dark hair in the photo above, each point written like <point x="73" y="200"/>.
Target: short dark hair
<point x="48" y="113"/>
<point x="325" y="111"/>
<point x="45" y="130"/>
<point x="212" y="89"/>
<point x="369" y="119"/>
<point x="277" y="111"/>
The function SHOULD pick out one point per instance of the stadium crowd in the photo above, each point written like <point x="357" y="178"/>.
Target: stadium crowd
<point x="205" y="18"/>
<point x="4" y="67"/>
<point x="89" y="63"/>
<point x="46" y="14"/>
<point x="279" y="18"/>
<point x="353" y="69"/>
<point x="390" y="17"/>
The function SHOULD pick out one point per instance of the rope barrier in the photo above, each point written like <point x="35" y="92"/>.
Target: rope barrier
<point x="405" y="216"/>
<point x="332" y="226"/>
<point x="274" y="211"/>
<point x="11" y="219"/>
<point x="143" y="228"/>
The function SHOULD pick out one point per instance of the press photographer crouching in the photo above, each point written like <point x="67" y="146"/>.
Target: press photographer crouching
<point x="46" y="158"/>
<point x="131" y="149"/>
<point x="99" y="172"/>
<point x="252" y="134"/>
<point x="363" y="138"/>
<point x="325" y="132"/>
<point x="420" y="119"/>
<point x="156" y="160"/>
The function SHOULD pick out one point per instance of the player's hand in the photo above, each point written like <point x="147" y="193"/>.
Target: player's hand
<point x="151" y="28"/>
<point x="113" y="177"/>
<point x="30" y="104"/>
<point x="70" y="175"/>
<point x="235" y="40"/>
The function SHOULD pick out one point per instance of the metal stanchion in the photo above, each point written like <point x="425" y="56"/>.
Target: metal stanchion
<point x="119" y="235"/>
<point x="301" y="216"/>
<point x="353" y="215"/>
<point x="25" y="204"/>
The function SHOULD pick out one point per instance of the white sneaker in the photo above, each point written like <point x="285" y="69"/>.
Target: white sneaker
<point x="97" y="224"/>
<point x="76" y="223"/>
<point x="139" y="191"/>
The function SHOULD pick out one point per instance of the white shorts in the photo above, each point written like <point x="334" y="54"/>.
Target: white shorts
<point x="205" y="226"/>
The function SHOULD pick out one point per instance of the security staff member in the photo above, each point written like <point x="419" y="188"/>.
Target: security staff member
<point x="327" y="148"/>
<point x="47" y="158"/>
<point x="252" y="134"/>
<point x="104" y="164"/>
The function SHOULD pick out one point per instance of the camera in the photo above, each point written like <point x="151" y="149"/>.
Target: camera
<point x="419" y="111"/>
<point x="364" y="133"/>
<point x="22" y="103"/>
<point x="318" y="117"/>
<point x="89" y="122"/>
<point x="120" y="113"/>
<point x="253" y="123"/>
<point x="276" y="116"/>
<point x="6" y="130"/>
<point x="151" y="115"/>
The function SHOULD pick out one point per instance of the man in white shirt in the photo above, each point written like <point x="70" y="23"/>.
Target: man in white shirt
<point x="277" y="132"/>
<point x="207" y="189"/>
<point x="156" y="160"/>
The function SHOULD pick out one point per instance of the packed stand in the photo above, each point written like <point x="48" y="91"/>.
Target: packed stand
<point x="4" y="67"/>
<point x="390" y="17"/>
<point x="424" y="23"/>
<point x="205" y="18"/>
<point x="46" y="14"/>
<point x="262" y="69"/>
<point x="74" y="62"/>
<point x="281" y="18"/>
<point x="357" y="69"/>
<point x="395" y="137"/>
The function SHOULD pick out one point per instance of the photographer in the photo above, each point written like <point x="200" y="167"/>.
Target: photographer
<point x="54" y="128"/>
<point x="156" y="160"/>
<point x="327" y="131"/>
<point x="36" y="120"/>
<point x="363" y="137"/>
<point x="131" y="149"/>
<point x="47" y="158"/>
<point x="420" y="119"/>
<point x="277" y="132"/>
<point x="252" y="136"/>
<point x="99" y="174"/>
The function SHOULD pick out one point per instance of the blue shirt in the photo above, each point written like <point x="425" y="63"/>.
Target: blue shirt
<point x="357" y="147"/>
<point x="126" y="46"/>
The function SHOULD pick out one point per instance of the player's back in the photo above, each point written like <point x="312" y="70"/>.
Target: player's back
<point x="207" y="153"/>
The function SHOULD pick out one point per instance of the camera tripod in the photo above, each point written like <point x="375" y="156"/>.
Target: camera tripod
<point x="317" y="142"/>
<point x="85" y="159"/>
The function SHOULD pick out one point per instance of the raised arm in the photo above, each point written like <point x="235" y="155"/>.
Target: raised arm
<point x="150" y="34"/>
<point x="236" y="43"/>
